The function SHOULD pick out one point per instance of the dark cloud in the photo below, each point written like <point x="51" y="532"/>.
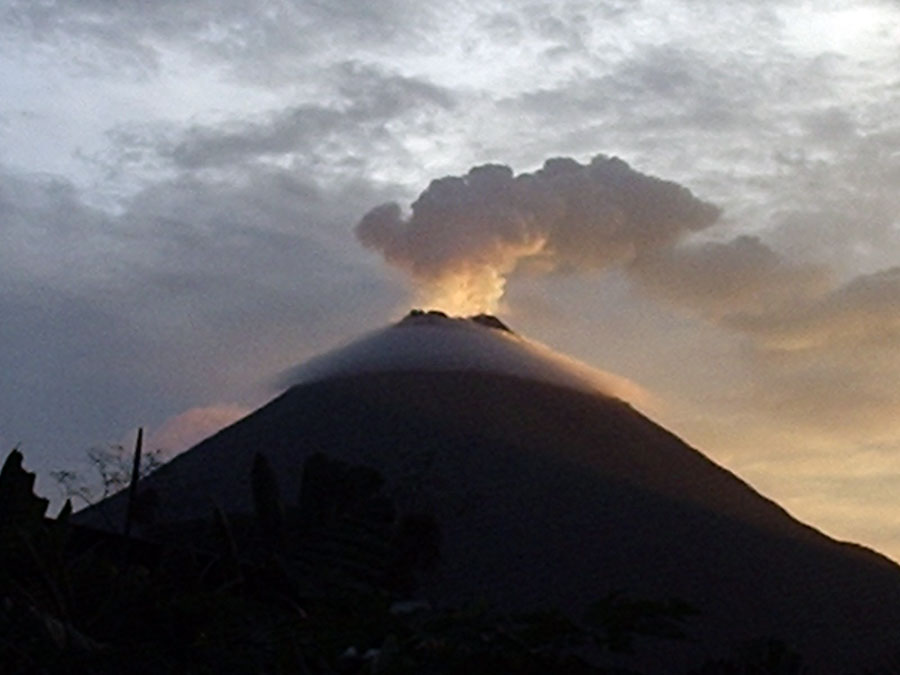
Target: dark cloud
<point x="196" y="293"/>
<point x="47" y="228"/>
<point x="678" y="108"/>
<point x="367" y="99"/>
<point x="662" y="89"/>
<point x="76" y="373"/>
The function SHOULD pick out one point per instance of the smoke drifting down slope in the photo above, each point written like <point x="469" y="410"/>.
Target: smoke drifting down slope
<point x="434" y="342"/>
<point x="465" y="235"/>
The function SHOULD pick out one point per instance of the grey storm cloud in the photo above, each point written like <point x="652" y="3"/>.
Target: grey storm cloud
<point x="666" y="88"/>
<point x="565" y="216"/>
<point x="365" y="99"/>
<point x="718" y="279"/>
<point x="188" y="296"/>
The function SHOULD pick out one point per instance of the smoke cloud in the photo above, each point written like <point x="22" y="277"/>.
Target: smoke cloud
<point x="465" y="235"/>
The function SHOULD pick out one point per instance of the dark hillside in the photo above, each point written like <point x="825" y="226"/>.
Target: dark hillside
<point x="547" y="496"/>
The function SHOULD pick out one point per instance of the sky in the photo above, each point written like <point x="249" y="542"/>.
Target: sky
<point x="196" y="197"/>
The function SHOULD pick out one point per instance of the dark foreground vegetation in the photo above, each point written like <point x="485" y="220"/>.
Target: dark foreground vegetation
<point x="325" y="583"/>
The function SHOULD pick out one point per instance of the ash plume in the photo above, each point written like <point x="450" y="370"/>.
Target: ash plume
<point x="464" y="235"/>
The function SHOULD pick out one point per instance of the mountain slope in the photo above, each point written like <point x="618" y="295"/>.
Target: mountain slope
<point x="554" y="495"/>
<point x="546" y="495"/>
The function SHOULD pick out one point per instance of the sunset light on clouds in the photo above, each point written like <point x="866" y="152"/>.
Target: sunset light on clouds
<point x="700" y="198"/>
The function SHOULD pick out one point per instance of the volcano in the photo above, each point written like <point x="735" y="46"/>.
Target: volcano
<point x="549" y="490"/>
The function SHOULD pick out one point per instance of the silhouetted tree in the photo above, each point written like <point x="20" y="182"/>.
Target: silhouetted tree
<point x="267" y="503"/>
<point x="110" y="472"/>
<point x="765" y="656"/>
<point x="331" y="489"/>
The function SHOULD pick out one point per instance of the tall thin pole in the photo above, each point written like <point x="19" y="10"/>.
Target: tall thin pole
<point x="135" y="475"/>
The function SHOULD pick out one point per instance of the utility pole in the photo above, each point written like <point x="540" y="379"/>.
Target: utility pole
<point x="135" y="475"/>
